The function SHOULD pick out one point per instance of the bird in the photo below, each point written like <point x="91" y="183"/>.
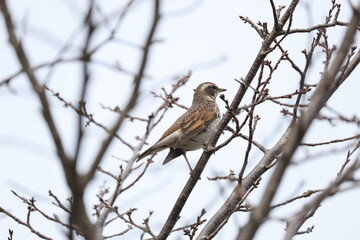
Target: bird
<point x="193" y="129"/>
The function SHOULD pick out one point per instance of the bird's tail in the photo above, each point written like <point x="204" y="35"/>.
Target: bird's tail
<point x="173" y="153"/>
<point x="149" y="151"/>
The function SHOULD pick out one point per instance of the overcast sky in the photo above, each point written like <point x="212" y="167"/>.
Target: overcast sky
<point x="206" y="37"/>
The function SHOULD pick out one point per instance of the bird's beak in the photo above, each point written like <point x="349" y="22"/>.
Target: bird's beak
<point x="222" y="90"/>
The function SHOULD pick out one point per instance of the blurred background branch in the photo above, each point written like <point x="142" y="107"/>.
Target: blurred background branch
<point x="121" y="73"/>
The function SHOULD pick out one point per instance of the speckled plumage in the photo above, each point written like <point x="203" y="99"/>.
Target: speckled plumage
<point x="193" y="129"/>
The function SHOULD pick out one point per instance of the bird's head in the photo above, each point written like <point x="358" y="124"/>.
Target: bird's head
<point x="207" y="91"/>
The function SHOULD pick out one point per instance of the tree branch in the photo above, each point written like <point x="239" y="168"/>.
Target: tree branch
<point x="175" y="212"/>
<point x="323" y="92"/>
<point x="134" y="95"/>
<point x="38" y="89"/>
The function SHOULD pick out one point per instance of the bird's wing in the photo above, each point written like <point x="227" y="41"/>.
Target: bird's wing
<point x="194" y="123"/>
<point x="186" y="126"/>
<point x="174" y="127"/>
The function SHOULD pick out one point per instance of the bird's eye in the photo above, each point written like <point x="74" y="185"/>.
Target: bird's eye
<point x="213" y="87"/>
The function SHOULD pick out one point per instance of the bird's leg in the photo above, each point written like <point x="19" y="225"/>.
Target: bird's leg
<point x="187" y="161"/>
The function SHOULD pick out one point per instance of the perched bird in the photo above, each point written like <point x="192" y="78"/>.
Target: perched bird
<point x="193" y="129"/>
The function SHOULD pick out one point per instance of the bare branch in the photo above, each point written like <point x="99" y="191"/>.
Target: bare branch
<point x="304" y="195"/>
<point x="23" y="59"/>
<point x="309" y="209"/>
<point x="323" y="92"/>
<point x="134" y="95"/>
<point x="27" y="225"/>
<point x="331" y="142"/>
<point x="174" y="215"/>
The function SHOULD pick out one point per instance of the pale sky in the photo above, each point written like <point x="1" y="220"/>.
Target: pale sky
<point x="206" y="37"/>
